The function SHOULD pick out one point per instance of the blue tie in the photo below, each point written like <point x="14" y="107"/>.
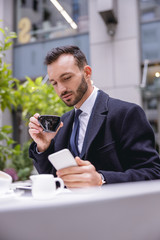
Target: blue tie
<point x="75" y="134"/>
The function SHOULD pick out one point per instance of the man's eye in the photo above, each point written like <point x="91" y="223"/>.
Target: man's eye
<point x="67" y="78"/>
<point x="53" y="83"/>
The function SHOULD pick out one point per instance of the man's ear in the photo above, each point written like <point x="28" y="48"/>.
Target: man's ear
<point x="87" y="71"/>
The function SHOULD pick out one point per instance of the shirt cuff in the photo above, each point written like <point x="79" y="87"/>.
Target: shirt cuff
<point x="103" y="179"/>
<point x="38" y="151"/>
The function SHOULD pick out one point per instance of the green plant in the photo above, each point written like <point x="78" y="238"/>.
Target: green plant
<point x="22" y="163"/>
<point x="6" y="149"/>
<point x="7" y="82"/>
<point x="7" y="98"/>
<point x="34" y="96"/>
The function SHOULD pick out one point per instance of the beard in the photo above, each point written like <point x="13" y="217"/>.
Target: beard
<point x="79" y="93"/>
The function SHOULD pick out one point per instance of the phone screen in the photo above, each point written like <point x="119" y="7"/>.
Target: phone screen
<point x="49" y="123"/>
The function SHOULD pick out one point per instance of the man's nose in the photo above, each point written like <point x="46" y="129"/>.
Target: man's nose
<point x="62" y="88"/>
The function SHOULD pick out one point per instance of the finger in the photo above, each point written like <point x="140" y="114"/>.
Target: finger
<point x="60" y="126"/>
<point x="68" y="170"/>
<point x="36" y="115"/>
<point x="75" y="170"/>
<point x="84" y="177"/>
<point x="76" y="185"/>
<point x="36" y="131"/>
<point x="82" y="162"/>
<point x="34" y="126"/>
<point x="82" y="180"/>
<point x="34" y="121"/>
<point x="83" y="166"/>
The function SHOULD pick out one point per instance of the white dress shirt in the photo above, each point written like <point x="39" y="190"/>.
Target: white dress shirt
<point x="86" y="108"/>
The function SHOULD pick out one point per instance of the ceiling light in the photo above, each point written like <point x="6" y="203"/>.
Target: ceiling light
<point x="157" y="74"/>
<point x="64" y="14"/>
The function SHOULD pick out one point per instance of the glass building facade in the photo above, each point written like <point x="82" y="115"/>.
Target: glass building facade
<point x="45" y="19"/>
<point x="150" y="58"/>
<point x="44" y="24"/>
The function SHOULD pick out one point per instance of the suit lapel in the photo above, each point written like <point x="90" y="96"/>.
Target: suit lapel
<point x="64" y="133"/>
<point x="98" y="116"/>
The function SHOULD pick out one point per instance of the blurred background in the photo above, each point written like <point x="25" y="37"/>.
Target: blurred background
<point x="121" y="40"/>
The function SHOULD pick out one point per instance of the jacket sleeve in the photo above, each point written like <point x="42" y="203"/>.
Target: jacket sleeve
<point x="40" y="160"/>
<point x="138" y="156"/>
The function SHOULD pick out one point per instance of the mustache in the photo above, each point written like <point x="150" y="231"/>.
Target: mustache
<point x="64" y="93"/>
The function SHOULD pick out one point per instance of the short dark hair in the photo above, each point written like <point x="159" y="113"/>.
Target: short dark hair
<point x="55" y="53"/>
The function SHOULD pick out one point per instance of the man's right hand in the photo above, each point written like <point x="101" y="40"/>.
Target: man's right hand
<point x="43" y="139"/>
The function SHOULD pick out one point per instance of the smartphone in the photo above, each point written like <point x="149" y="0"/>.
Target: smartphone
<point x="62" y="159"/>
<point x="49" y="123"/>
<point x="24" y="190"/>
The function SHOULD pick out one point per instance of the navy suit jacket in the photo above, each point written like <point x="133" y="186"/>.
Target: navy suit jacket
<point x="119" y="142"/>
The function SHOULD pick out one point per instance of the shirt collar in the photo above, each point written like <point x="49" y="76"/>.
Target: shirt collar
<point x="87" y="106"/>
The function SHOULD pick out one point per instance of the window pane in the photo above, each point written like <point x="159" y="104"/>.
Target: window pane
<point x="38" y="20"/>
<point x="150" y="10"/>
<point x="150" y="39"/>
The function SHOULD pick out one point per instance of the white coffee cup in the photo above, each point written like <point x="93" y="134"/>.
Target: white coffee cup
<point x="44" y="186"/>
<point x="5" y="182"/>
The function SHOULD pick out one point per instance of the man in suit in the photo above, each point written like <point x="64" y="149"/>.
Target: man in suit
<point x="115" y="141"/>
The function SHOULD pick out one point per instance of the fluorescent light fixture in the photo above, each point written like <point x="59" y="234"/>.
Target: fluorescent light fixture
<point x="57" y="5"/>
<point x="64" y="14"/>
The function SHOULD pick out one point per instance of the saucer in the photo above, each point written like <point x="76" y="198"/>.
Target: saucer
<point x="10" y="194"/>
<point x="55" y="194"/>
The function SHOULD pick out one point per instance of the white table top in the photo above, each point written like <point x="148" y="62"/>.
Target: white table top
<point x="120" y="211"/>
<point x="19" y="200"/>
